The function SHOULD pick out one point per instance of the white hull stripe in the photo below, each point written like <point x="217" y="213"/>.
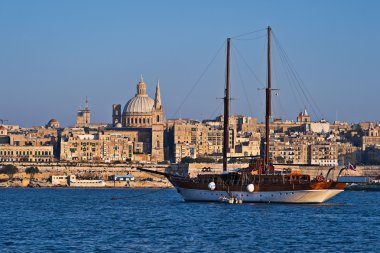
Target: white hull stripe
<point x="302" y="196"/>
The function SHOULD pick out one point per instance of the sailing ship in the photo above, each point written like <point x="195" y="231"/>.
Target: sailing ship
<point x="260" y="182"/>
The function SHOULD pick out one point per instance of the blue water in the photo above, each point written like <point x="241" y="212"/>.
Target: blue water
<point x="92" y="220"/>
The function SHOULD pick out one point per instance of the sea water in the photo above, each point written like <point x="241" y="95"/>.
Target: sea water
<point x="154" y="220"/>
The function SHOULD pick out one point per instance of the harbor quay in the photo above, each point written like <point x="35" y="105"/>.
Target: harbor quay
<point x="83" y="171"/>
<point x="109" y="173"/>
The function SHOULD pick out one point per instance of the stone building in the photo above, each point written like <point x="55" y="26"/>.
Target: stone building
<point x="83" y="116"/>
<point x="96" y="147"/>
<point x="35" y="144"/>
<point x="80" y="147"/>
<point x="301" y="148"/>
<point x="371" y="137"/>
<point x="3" y="131"/>
<point x="10" y="153"/>
<point x="247" y="144"/>
<point x="190" y="138"/>
<point x="4" y="138"/>
<point x="324" y="154"/>
<point x="348" y="153"/>
<point x="36" y="136"/>
<point x="318" y="127"/>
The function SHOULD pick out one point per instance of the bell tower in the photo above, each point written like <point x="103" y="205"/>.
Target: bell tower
<point x="158" y="127"/>
<point x="158" y="109"/>
<point x="303" y="117"/>
<point x="116" y="114"/>
<point x="83" y="116"/>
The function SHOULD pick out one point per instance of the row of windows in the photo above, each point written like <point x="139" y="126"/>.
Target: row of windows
<point x="24" y="160"/>
<point x="24" y="153"/>
<point x="138" y="121"/>
<point x="141" y="120"/>
<point x="85" y="149"/>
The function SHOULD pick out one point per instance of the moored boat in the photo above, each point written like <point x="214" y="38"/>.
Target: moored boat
<point x="372" y="185"/>
<point x="74" y="182"/>
<point x="259" y="182"/>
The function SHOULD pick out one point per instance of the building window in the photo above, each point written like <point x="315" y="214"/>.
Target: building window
<point x="158" y="118"/>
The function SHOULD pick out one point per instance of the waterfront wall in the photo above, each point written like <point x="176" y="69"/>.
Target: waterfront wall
<point x="143" y="179"/>
<point x="88" y="171"/>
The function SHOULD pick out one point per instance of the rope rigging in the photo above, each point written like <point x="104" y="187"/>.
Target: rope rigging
<point x="198" y="80"/>
<point x="293" y="74"/>
<point x="302" y="96"/>
<point x="291" y="79"/>
<point x="243" y="85"/>
<point x="248" y="33"/>
<point x="247" y="65"/>
<point x="258" y="82"/>
<point x="218" y="108"/>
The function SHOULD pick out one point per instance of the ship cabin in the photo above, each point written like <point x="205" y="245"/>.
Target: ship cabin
<point x="235" y="179"/>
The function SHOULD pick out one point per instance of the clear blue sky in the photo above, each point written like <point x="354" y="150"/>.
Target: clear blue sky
<point x="55" y="53"/>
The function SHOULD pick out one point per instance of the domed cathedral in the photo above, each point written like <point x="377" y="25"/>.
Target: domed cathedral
<point x="53" y="123"/>
<point x="141" y="113"/>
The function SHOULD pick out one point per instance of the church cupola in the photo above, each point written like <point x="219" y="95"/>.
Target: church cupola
<point x="141" y="87"/>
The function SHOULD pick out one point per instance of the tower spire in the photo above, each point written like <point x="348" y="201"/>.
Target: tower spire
<point x="86" y="106"/>
<point x="141" y="78"/>
<point x="157" y="99"/>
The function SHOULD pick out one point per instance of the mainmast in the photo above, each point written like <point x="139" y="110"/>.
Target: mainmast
<point x="226" y="109"/>
<point x="268" y="104"/>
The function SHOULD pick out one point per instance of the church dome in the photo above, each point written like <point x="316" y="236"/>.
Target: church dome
<point x="53" y="123"/>
<point x="141" y="103"/>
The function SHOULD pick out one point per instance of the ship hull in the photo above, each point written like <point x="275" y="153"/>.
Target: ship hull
<point x="300" y="196"/>
<point x="272" y="189"/>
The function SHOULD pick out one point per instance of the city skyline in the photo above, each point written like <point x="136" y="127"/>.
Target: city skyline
<point x="56" y="54"/>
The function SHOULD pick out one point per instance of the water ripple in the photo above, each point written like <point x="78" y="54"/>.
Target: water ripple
<point x="104" y="220"/>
